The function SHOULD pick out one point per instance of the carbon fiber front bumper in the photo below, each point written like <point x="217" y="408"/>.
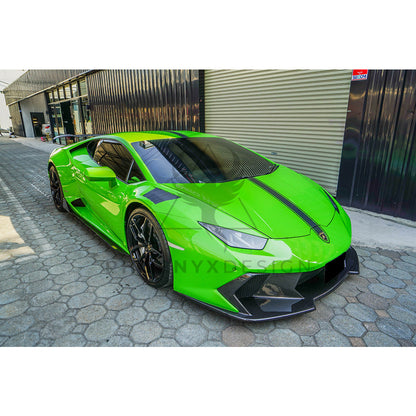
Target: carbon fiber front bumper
<point x="266" y="296"/>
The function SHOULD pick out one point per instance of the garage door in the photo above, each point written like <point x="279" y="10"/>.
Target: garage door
<point x="296" y="118"/>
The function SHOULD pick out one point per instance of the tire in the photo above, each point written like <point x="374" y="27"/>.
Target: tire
<point x="148" y="248"/>
<point x="56" y="189"/>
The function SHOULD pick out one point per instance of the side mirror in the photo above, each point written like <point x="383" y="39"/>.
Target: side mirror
<point x="101" y="173"/>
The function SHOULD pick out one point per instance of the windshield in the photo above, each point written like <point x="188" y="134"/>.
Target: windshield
<point x="200" y="160"/>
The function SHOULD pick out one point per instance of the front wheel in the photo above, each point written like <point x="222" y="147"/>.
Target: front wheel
<point x="149" y="249"/>
<point x="56" y="189"/>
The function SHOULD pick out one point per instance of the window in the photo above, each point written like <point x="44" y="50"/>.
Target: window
<point x="200" y="160"/>
<point x="50" y="97"/>
<point x="67" y="91"/>
<point x="115" y="156"/>
<point x="136" y="174"/>
<point x="87" y="115"/>
<point x="55" y="95"/>
<point x="83" y="87"/>
<point x="61" y="93"/>
<point x="74" y="88"/>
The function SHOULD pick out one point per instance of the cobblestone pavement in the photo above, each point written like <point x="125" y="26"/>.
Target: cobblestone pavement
<point x="61" y="285"/>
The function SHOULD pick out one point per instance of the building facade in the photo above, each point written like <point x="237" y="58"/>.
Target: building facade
<point x="355" y="135"/>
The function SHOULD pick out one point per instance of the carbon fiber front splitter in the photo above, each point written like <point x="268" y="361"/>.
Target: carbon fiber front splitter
<point x="267" y="296"/>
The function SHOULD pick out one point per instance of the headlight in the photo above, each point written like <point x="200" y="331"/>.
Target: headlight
<point x="235" y="238"/>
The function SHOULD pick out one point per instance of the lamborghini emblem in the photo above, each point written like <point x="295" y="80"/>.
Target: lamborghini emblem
<point x="323" y="237"/>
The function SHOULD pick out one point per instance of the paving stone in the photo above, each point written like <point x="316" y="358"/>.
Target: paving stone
<point x="394" y="328"/>
<point x="122" y="271"/>
<point x="408" y="267"/>
<point x="258" y="327"/>
<point x="26" y="339"/>
<point x="58" y="328"/>
<point x="70" y="340"/>
<point x="16" y="325"/>
<point x="76" y="254"/>
<point x="74" y="288"/>
<point x="373" y="301"/>
<point x="212" y="344"/>
<point x="144" y="292"/>
<point x="237" y="336"/>
<point x="173" y="318"/>
<point x="361" y="312"/>
<point x="347" y="289"/>
<point x="334" y="300"/>
<point x="8" y="284"/>
<point x="45" y="298"/>
<point x="371" y="326"/>
<point x="55" y="260"/>
<point x="378" y="339"/>
<point x="108" y="290"/>
<point x="191" y="335"/>
<point x="164" y="342"/>
<point x="390" y="281"/>
<point x="99" y="280"/>
<point x="348" y="326"/>
<point x="146" y="332"/>
<point x="331" y="338"/>
<point x="11" y="295"/>
<point x="409" y="259"/>
<point x="215" y="321"/>
<point x="362" y="252"/>
<point x="322" y="312"/>
<point x="157" y="304"/>
<point x="34" y="276"/>
<point x="281" y="337"/>
<point x="117" y="341"/>
<point x="399" y="274"/>
<point x="81" y="300"/>
<point x="90" y="270"/>
<point x="357" y="342"/>
<point x="382" y="290"/>
<point x="60" y="268"/>
<point x="90" y="314"/>
<point x="374" y="265"/>
<point x="308" y="341"/>
<point x="83" y="262"/>
<point x="63" y="279"/>
<point x="408" y="302"/>
<point x="402" y="314"/>
<point x="39" y="286"/>
<point x="411" y="290"/>
<point x="119" y="302"/>
<point x="131" y="316"/>
<point x="389" y="253"/>
<point x="13" y="309"/>
<point x="49" y="312"/>
<point x="101" y="330"/>
<point x="302" y="325"/>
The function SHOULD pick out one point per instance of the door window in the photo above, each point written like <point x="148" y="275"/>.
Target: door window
<point x="115" y="156"/>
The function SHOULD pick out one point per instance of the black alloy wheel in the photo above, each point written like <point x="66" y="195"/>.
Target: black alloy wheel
<point x="56" y="189"/>
<point x="149" y="249"/>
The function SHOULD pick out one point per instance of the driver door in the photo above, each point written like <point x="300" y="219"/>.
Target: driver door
<point x="106" y="197"/>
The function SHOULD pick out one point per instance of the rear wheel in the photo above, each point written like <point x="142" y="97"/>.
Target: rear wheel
<point x="149" y="249"/>
<point x="56" y="189"/>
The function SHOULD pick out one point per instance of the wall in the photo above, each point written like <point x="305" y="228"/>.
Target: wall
<point x="378" y="165"/>
<point x="36" y="104"/>
<point x="138" y="100"/>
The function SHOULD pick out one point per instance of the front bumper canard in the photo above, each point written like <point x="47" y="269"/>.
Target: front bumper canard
<point x="266" y="296"/>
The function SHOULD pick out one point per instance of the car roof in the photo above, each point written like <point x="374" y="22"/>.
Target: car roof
<point x="139" y="136"/>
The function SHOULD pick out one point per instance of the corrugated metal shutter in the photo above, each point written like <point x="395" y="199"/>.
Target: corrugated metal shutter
<point x="296" y="118"/>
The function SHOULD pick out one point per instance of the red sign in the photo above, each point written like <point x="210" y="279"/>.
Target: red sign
<point x="359" y="74"/>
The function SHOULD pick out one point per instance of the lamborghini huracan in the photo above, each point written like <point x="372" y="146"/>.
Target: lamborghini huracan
<point x="223" y="225"/>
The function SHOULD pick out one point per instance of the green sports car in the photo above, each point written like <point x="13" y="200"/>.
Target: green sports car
<point x="225" y="226"/>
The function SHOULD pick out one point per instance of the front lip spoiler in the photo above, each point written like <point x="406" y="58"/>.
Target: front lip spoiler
<point x="302" y="299"/>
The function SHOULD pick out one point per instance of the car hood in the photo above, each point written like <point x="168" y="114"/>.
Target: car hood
<point x="260" y="203"/>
